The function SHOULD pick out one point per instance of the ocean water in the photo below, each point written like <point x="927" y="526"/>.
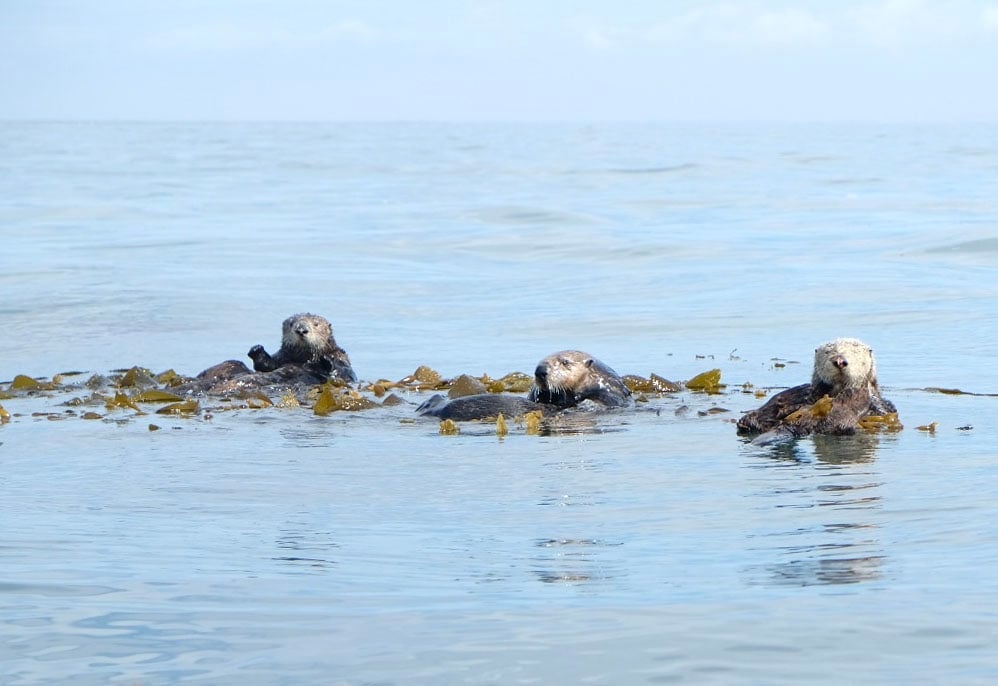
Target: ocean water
<point x="272" y="546"/>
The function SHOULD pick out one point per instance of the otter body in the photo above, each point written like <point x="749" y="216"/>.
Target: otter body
<point x="306" y="340"/>
<point x="233" y="377"/>
<point x="845" y="371"/>
<point x="566" y="379"/>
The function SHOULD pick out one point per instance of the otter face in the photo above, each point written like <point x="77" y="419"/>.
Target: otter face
<point x="306" y="331"/>
<point x="562" y="371"/>
<point x="572" y="376"/>
<point x="844" y="363"/>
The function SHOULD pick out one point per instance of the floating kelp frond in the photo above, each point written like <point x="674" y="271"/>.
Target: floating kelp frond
<point x="154" y="395"/>
<point x="423" y="378"/>
<point x="258" y="401"/>
<point x="533" y="422"/>
<point x="819" y="409"/>
<point x="501" y="428"/>
<point x="391" y="401"/>
<point x="517" y="382"/>
<point x="22" y="382"/>
<point x="957" y="391"/>
<point x="91" y="415"/>
<point x="708" y="382"/>
<point x="465" y="385"/>
<point x="448" y="427"/>
<point x="333" y="399"/>
<point x="653" y="384"/>
<point x="888" y="422"/>
<point x="930" y="428"/>
<point x="122" y="401"/>
<point x="136" y="377"/>
<point x="167" y="377"/>
<point x="288" y="400"/>
<point x="189" y="406"/>
<point x="4" y="415"/>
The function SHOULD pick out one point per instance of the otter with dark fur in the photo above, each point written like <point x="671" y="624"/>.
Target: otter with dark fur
<point x="232" y="377"/>
<point x="307" y="340"/>
<point x="845" y="371"/>
<point x="308" y="356"/>
<point x="567" y="379"/>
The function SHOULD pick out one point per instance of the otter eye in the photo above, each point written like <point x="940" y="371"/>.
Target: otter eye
<point x="565" y="362"/>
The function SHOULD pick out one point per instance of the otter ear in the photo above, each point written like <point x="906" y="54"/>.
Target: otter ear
<point x="589" y="362"/>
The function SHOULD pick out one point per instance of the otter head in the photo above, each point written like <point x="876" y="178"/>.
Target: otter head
<point x="306" y="331"/>
<point x="568" y="377"/>
<point x="845" y="363"/>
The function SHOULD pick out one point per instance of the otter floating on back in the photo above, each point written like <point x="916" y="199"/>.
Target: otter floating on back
<point x="566" y="379"/>
<point x="306" y="340"/>
<point x="308" y="356"/>
<point x="845" y="371"/>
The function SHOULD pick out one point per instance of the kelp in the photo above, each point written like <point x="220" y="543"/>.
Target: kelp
<point x="928" y="428"/>
<point x="91" y="415"/>
<point x="288" y="400"/>
<point x="258" y="401"/>
<point x="333" y="399"/>
<point x="22" y="382"/>
<point x="448" y="427"/>
<point x="465" y="385"/>
<point x="4" y="415"/>
<point x="154" y="395"/>
<point x="888" y="422"/>
<point x="708" y="382"/>
<point x="516" y="382"/>
<point x="819" y="409"/>
<point x="957" y="391"/>
<point x="168" y="377"/>
<point x="501" y="428"/>
<point x="424" y="378"/>
<point x="186" y="407"/>
<point x="653" y="384"/>
<point x="122" y="401"/>
<point x="533" y="422"/>
<point x="135" y="377"/>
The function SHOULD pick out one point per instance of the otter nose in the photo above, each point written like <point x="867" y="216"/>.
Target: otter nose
<point x="840" y="362"/>
<point x="541" y="372"/>
<point x="301" y="330"/>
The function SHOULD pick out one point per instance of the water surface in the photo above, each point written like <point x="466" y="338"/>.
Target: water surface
<point x="276" y="547"/>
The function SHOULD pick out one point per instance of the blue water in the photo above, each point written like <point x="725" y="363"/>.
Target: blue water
<point x="275" y="547"/>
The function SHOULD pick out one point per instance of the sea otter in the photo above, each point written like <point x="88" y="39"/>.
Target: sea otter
<point x="307" y="340"/>
<point x="566" y="379"/>
<point x="234" y="377"/>
<point x="845" y="371"/>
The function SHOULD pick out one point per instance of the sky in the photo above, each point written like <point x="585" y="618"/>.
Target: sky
<point x="505" y="60"/>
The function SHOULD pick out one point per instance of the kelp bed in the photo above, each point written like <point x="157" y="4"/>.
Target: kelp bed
<point x="128" y="394"/>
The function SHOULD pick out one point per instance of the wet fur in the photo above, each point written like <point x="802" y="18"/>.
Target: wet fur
<point x="852" y="386"/>
<point x="232" y="377"/>
<point x="561" y="381"/>
<point x="307" y="340"/>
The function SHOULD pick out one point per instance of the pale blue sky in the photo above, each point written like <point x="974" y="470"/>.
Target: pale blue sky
<point x="879" y="60"/>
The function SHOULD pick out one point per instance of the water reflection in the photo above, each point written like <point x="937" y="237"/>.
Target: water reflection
<point x="828" y="533"/>
<point x="306" y="549"/>
<point x="572" y="560"/>
<point x="861" y="447"/>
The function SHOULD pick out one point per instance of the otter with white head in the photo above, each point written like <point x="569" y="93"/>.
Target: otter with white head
<point x="566" y="379"/>
<point x="845" y="371"/>
<point x="306" y="340"/>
